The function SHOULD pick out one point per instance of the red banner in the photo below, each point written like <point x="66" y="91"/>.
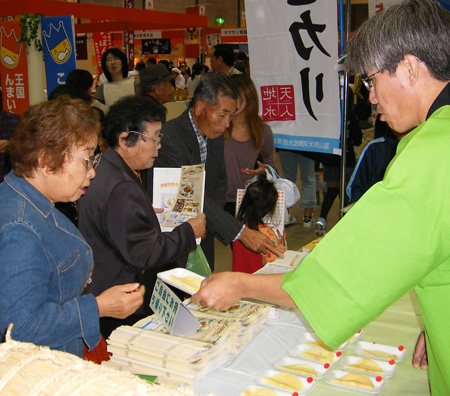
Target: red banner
<point x="102" y="42"/>
<point x="13" y="69"/>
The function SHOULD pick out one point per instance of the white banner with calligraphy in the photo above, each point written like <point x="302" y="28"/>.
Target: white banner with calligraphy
<point x="293" y="48"/>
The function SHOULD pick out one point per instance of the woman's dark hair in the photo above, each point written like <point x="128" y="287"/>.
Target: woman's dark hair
<point x="130" y="114"/>
<point x="197" y="69"/>
<point x="71" y="91"/>
<point x="118" y="54"/>
<point x="80" y="78"/>
<point x="259" y="200"/>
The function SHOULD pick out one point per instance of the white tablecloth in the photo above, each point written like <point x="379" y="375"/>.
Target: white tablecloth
<point x="400" y="324"/>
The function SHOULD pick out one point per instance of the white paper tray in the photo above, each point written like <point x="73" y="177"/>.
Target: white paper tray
<point x="361" y="346"/>
<point x="278" y="392"/>
<point x="388" y="368"/>
<point x="356" y="337"/>
<point x="321" y="370"/>
<point x="179" y="273"/>
<point x="308" y="385"/>
<point x="309" y="337"/>
<point x="378" y="385"/>
<point x="297" y="353"/>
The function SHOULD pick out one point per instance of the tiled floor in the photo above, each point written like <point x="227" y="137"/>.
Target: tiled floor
<point x="296" y="235"/>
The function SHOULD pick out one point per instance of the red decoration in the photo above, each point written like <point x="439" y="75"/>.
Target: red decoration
<point x="392" y="362"/>
<point x="378" y="379"/>
<point x="309" y="380"/>
<point x="326" y="365"/>
<point x="338" y="354"/>
<point x="401" y="347"/>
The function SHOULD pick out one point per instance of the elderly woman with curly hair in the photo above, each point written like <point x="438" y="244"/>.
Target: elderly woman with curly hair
<point x="45" y="262"/>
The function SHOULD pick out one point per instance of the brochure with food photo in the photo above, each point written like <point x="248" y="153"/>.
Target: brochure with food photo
<point x="179" y="192"/>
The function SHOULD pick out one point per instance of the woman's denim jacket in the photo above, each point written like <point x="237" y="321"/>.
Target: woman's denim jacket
<point x="44" y="265"/>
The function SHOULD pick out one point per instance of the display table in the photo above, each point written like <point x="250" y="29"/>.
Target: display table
<point x="400" y="324"/>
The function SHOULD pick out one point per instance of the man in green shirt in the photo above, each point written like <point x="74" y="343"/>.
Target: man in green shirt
<point x="397" y="235"/>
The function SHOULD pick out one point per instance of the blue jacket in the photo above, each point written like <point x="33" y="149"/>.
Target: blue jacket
<point x="44" y="265"/>
<point x="371" y="166"/>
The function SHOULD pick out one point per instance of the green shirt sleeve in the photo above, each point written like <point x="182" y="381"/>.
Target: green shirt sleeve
<point x="394" y="238"/>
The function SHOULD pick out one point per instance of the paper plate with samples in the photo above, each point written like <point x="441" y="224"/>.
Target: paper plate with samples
<point x="368" y="366"/>
<point x="280" y="381"/>
<point x="316" y="354"/>
<point x="379" y="351"/>
<point x="356" y="382"/>
<point x="303" y="367"/>
<point x="182" y="279"/>
<point x="261" y="391"/>
<point x="313" y="339"/>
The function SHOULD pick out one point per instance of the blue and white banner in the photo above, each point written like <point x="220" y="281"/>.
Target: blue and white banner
<point x="58" y="40"/>
<point x="293" y="47"/>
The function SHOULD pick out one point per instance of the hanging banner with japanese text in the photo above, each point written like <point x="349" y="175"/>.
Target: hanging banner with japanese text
<point x="293" y="47"/>
<point x="13" y="69"/>
<point x="376" y="6"/>
<point x="58" y="40"/>
<point x="102" y="42"/>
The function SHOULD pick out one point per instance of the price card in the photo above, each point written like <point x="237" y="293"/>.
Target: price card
<point x="169" y="309"/>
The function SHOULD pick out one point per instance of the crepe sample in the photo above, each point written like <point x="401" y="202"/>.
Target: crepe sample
<point x="366" y="365"/>
<point x="191" y="283"/>
<point x="28" y="369"/>
<point x="286" y="381"/>
<point x="319" y="343"/>
<point x="360" y="381"/>
<point x="304" y="369"/>
<point x="318" y="354"/>
<point x="259" y="392"/>
<point x="379" y="354"/>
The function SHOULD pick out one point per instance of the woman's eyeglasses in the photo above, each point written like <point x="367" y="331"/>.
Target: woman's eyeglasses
<point x="91" y="162"/>
<point x="158" y="139"/>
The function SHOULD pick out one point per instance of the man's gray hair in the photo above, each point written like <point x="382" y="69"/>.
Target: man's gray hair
<point x="415" y="27"/>
<point x="211" y="85"/>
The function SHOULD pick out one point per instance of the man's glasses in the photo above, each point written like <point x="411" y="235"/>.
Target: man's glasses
<point x="158" y="139"/>
<point x="367" y="81"/>
<point x="91" y="162"/>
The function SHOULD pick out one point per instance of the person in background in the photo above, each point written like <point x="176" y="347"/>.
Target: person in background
<point x="198" y="70"/>
<point x="242" y="63"/>
<point x="45" y="262"/>
<point x="139" y="66"/>
<point x="184" y="70"/>
<point x="115" y="69"/>
<point x="180" y="82"/>
<point x="157" y="83"/>
<point x="151" y="61"/>
<point x="222" y="60"/>
<point x="196" y="137"/>
<point x="373" y="161"/>
<point x="366" y="263"/>
<point x="116" y="216"/>
<point x="332" y="166"/>
<point x="256" y="212"/>
<point x="290" y="160"/>
<point x="8" y="122"/>
<point x="82" y="79"/>
<point x="248" y="142"/>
